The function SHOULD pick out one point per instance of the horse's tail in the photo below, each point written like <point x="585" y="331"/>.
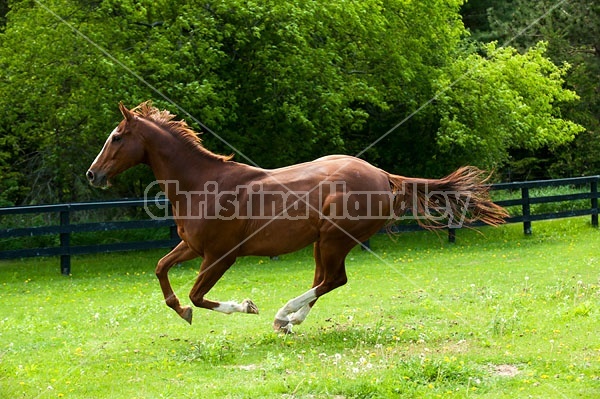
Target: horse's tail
<point x="459" y="198"/>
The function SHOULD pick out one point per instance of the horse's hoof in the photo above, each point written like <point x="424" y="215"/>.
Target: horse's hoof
<point x="250" y="307"/>
<point x="186" y="314"/>
<point x="283" y="326"/>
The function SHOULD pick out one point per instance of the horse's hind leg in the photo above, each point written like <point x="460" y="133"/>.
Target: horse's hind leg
<point x="331" y="274"/>
<point x="179" y="254"/>
<point x="297" y="317"/>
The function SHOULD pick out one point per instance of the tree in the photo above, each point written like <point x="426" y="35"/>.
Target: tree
<point x="571" y="30"/>
<point x="501" y="101"/>
<point x="59" y="96"/>
<point x="282" y="82"/>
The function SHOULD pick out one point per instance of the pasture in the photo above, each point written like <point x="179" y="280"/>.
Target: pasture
<point x="496" y="315"/>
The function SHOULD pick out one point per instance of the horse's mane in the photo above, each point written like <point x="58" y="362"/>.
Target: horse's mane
<point x="179" y="128"/>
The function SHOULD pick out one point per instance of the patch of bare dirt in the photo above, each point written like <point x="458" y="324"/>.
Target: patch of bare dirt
<point x="504" y="370"/>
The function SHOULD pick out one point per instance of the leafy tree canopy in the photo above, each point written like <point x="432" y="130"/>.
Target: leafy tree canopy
<point x="499" y="101"/>
<point x="571" y="31"/>
<point x="283" y="82"/>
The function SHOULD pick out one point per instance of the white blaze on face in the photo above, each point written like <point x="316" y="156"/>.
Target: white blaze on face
<point x="110" y="136"/>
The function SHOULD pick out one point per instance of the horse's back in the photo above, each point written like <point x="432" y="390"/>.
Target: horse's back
<point x="348" y="194"/>
<point x="355" y="173"/>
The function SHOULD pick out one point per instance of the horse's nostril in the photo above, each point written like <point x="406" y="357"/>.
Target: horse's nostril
<point x="90" y="175"/>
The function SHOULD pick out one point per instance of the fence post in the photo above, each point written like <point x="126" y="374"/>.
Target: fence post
<point x="173" y="235"/>
<point x="451" y="234"/>
<point x="526" y="210"/>
<point x="594" y="191"/>
<point x="65" y="241"/>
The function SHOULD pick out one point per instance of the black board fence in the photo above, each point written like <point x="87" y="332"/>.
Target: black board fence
<point x="526" y="201"/>
<point x="65" y="229"/>
<point x="520" y="208"/>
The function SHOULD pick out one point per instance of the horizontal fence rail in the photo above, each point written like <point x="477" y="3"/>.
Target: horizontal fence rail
<point x="65" y="229"/>
<point x="521" y="210"/>
<point x="526" y="200"/>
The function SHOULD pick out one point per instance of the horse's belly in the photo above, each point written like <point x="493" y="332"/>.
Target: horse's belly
<point x="276" y="237"/>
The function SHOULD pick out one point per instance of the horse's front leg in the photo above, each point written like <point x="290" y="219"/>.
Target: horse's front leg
<point x="179" y="254"/>
<point x="211" y="270"/>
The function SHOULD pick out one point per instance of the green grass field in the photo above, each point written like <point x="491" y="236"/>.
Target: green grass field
<point x="496" y="315"/>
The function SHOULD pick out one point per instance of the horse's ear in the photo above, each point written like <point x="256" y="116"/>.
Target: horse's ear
<point x="127" y="114"/>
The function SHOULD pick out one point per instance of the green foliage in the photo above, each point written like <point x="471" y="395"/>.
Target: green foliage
<point x="283" y="82"/>
<point x="570" y="29"/>
<point x="499" y="101"/>
<point x="51" y="105"/>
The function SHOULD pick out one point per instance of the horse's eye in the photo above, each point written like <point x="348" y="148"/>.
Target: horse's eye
<point x="116" y="138"/>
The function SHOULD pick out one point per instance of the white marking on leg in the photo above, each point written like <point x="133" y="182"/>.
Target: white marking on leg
<point x="299" y="316"/>
<point x="295" y="304"/>
<point x="229" y="307"/>
<point x="232" y="307"/>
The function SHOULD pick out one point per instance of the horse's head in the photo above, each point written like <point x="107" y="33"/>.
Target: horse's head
<point x="123" y="149"/>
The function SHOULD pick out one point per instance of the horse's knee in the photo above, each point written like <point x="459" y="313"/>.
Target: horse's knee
<point x="162" y="268"/>
<point x="197" y="300"/>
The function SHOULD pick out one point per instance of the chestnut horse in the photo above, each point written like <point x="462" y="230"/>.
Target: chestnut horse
<point x="224" y="209"/>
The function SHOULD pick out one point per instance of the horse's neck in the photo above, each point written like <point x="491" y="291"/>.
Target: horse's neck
<point x="173" y="160"/>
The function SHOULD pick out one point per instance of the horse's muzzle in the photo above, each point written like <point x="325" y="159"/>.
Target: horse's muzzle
<point x="96" y="179"/>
